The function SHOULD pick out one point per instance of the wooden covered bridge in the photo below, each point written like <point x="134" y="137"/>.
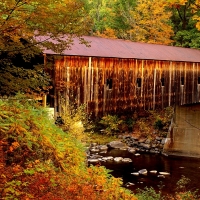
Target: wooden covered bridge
<point x="117" y="76"/>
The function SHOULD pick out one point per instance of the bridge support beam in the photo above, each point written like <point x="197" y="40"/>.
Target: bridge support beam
<point x="184" y="136"/>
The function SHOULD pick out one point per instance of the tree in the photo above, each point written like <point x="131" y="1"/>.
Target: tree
<point x="185" y="23"/>
<point x="196" y="10"/>
<point x="101" y="11"/>
<point x="111" y="18"/>
<point x="151" y="22"/>
<point x="123" y="18"/>
<point x="21" y="22"/>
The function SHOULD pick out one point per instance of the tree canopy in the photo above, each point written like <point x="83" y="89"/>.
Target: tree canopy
<point x="21" y="21"/>
<point x="151" y="22"/>
<point x="171" y="22"/>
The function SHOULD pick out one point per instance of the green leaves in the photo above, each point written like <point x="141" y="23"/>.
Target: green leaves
<point x="17" y="79"/>
<point x="111" y="124"/>
<point x="20" y="23"/>
<point x="43" y="162"/>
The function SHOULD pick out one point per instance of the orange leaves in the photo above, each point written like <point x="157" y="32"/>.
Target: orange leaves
<point x="13" y="146"/>
<point x="50" y="164"/>
<point x="108" y="33"/>
<point x="17" y="168"/>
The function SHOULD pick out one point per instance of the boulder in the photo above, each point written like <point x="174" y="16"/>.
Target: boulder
<point x="137" y="154"/>
<point x="135" y="173"/>
<point x="143" y="171"/>
<point x="126" y="160"/>
<point x="107" y="158"/>
<point x="145" y="146"/>
<point x="153" y="151"/>
<point x="124" y="148"/>
<point x="148" y="141"/>
<point x="164" y="173"/>
<point x="153" y="171"/>
<point x="117" y="145"/>
<point x="118" y="159"/>
<point x="161" y="176"/>
<point x="131" y="150"/>
<point x="142" y="140"/>
<point x="103" y="147"/>
<point x="93" y="160"/>
<point x="95" y="156"/>
<point x="158" y="138"/>
<point x="129" y="184"/>
<point x="94" y="150"/>
<point x="93" y="144"/>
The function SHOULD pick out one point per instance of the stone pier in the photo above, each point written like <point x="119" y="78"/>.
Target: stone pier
<point x="184" y="135"/>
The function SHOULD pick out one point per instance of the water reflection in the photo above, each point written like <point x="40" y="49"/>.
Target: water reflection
<point x="176" y="166"/>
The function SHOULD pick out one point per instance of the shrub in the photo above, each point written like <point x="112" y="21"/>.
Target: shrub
<point x="158" y="124"/>
<point x="43" y="162"/>
<point x="111" y="124"/>
<point x="74" y="120"/>
<point x="148" y="194"/>
<point x="183" y="192"/>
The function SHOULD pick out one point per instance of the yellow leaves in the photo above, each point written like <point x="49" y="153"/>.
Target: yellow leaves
<point x="196" y="9"/>
<point x="53" y="149"/>
<point x="198" y="24"/>
<point x="37" y="161"/>
<point x="19" y="19"/>
<point x="17" y="129"/>
<point x="108" y="33"/>
<point x="151" y="22"/>
<point x="174" y="3"/>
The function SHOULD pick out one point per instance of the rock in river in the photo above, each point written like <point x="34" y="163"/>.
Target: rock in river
<point x="164" y="173"/>
<point x="103" y="147"/>
<point x="118" y="159"/>
<point x="93" y="160"/>
<point x="153" y="171"/>
<point x="143" y="171"/>
<point x="135" y="173"/>
<point x="126" y="160"/>
<point x="117" y="145"/>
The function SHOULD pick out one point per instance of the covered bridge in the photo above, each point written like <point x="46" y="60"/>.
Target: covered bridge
<point x="117" y="76"/>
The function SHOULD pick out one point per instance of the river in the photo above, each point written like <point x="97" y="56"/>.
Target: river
<point x="176" y="166"/>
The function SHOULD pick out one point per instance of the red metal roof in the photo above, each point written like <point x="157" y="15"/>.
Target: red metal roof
<point x="104" y="47"/>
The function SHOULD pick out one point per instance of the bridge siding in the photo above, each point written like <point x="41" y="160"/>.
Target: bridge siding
<point x="83" y="80"/>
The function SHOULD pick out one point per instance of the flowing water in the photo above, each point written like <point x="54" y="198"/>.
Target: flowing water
<point x="176" y="166"/>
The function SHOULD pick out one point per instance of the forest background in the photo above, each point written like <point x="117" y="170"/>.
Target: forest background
<point x="38" y="160"/>
<point x="169" y="22"/>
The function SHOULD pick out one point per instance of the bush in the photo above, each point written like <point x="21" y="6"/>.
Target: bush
<point x="40" y="161"/>
<point x="111" y="124"/>
<point x="148" y="194"/>
<point x="183" y="192"/>
<point x="158" y="124"/>
<point x="74" y="120"/>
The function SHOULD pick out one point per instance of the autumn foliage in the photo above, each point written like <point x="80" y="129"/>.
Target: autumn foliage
<point x="40" y="161"/>
<point x="21" y="22"/>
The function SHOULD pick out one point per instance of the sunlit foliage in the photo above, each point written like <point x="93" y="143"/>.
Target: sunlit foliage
<point x="21" y="23"/>
<point x="40" y="161"/>
<point x="151" y="22"/>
